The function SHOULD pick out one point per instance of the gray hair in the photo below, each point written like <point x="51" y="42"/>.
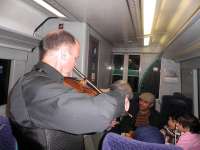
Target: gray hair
<point x="122" y="86"/>
<point x="55" y="39"/>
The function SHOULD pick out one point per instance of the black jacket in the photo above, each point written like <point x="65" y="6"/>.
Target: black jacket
<point x="40" y="100"/>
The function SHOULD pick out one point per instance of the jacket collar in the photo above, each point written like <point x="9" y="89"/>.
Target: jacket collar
<point x="50" y="71"/>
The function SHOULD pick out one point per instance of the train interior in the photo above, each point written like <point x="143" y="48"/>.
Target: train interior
<point x="159" y="52"/>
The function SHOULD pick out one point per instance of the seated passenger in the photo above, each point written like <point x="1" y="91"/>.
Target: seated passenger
<point x="170" y="132"/>
<point x="145" y="116"/>
<point x="189" y="127"/>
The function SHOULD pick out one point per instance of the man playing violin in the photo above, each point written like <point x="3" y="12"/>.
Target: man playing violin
<point x="45" y="114"/>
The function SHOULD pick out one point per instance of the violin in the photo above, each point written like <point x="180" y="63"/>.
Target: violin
<point x="81" y="87"/>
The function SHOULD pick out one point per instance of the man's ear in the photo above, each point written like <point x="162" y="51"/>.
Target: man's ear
<point x="63" y="54"/>
<point x="127" y="104"/>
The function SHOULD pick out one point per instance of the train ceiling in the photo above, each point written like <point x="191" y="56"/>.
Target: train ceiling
<point x="118" y="21"/>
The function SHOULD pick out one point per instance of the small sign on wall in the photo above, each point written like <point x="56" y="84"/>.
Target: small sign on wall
<point x="60" y="26"/>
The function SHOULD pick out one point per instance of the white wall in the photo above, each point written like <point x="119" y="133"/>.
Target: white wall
<point x="104" y="60"/>
<point x="18" y="61"/>
<point x="20" y="16"/>
<point x="170" y="80"/>
<point x="186" y="67"/>
<point x="187" y="73"/>
<point x="18" y="66"/>
<point x="17" y="48"/>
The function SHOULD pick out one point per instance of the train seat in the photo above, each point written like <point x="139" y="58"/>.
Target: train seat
<point x="114" y="141"/>
<point x="7" y="140"/>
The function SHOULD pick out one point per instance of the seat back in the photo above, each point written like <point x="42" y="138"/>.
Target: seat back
<point x="149" y="134"/>
<point x="175" y="104"/>
<point x="114" y="141"/>
<point x="7" y="140"/>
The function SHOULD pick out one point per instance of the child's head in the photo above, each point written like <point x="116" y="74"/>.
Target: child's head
<point x="172" y="120"/>
<point x="188" y="122"/>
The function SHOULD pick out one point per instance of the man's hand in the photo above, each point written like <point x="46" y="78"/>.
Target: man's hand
<point x="105" y="90"/>
<point x="113" y="124"/>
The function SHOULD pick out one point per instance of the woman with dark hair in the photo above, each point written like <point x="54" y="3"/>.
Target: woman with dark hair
<point x="189" y="126"/>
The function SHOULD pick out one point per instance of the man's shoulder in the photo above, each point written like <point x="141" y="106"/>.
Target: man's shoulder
<point x="36" y="77"/>
<point x="35" y="74"/>
<point x="36" y="81"/>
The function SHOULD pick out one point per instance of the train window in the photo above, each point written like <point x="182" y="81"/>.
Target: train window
<point x="118" y="66"/>
<point x="126" y="67"/>
<point x="134" y="62"/>
<point x="4" y="80"/>
<point x="133" y="71"/>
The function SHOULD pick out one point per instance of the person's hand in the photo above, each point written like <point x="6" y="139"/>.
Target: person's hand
<point x="114" y="123"/>
<point x="105" y="90"/>
<point x="129" y="134"/>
